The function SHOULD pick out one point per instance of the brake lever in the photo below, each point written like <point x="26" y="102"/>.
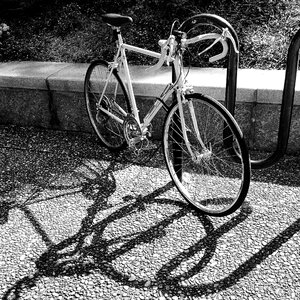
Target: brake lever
<point x="171" y="49"/>
<point x="164" y="47"/>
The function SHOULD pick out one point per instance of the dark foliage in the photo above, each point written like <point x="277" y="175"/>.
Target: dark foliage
<point x="71" y="30"/>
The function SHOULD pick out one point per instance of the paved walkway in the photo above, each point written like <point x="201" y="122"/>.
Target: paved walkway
<point x="83" y="224"/>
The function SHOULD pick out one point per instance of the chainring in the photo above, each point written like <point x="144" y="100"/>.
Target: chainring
<point x="132" y="132"/>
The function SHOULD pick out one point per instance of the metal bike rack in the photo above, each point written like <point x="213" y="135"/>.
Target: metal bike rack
<point x="286" y="106"/>
<point x="231" y="83"/>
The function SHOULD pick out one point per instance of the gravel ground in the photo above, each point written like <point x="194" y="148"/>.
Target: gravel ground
<point x="84" y="224"/>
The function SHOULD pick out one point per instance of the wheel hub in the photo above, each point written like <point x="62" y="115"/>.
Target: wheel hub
<point x="204" y="155"/>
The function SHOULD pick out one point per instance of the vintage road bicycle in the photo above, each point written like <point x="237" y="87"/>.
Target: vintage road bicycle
<point x="204" y="149"/>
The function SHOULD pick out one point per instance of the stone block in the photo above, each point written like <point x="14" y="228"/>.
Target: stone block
<point x="71" y="111"/>
<point x="24" y="107"/>
<point x="50" y="95"/>
<point x="28" y="74"/>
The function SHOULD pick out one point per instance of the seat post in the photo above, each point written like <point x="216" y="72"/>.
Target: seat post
<point x="117" y="35"/>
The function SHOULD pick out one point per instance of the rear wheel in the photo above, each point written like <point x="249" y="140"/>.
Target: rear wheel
<point x="105" y="94"/>
<point x="214" y="174"/>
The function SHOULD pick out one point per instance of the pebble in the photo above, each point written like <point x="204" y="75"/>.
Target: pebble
<point x="147" y="283"/>
<point x="132" y="278"/>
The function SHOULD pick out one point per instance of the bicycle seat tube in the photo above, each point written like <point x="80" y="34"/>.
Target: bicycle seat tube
<point x="121" y="60"/>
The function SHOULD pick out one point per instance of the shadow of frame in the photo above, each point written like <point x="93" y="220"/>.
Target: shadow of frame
<point x="73" y="256"/>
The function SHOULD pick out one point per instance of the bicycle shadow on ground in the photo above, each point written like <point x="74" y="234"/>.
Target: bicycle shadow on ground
<point x="175" y="288"/>
<point x="42" y="173"/>
<point x="90" y="250"/>
<point x="26" y="175"/>
<point x="74" y="256"/>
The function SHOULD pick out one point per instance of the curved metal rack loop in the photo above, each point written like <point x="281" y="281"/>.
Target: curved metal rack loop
<point x="231" y="83"/>
<point x="286" y="106"/>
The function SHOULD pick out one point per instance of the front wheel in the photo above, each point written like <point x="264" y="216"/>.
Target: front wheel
<point x="212" y="170"/>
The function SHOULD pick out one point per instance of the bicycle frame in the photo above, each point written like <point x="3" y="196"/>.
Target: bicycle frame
<point x="121" y="60"/>
<point x="178" y="87"/>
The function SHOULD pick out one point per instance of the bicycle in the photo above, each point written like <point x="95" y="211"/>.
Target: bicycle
<point x="203" y="146"/>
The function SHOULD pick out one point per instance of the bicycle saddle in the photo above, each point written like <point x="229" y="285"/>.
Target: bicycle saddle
<point x="116" y="19"/>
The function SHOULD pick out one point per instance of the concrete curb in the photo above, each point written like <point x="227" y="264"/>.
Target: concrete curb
<point x="50" y="95"/>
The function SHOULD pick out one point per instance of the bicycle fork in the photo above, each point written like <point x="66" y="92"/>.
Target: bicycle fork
<point x="196" y="155"/>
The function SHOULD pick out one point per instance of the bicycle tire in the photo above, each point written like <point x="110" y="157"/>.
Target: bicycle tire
<point x="109" y="131"/>
<point x="213" y="181"/>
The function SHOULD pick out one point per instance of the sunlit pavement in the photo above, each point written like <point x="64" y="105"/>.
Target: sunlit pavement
<point x="79" y="223"/>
